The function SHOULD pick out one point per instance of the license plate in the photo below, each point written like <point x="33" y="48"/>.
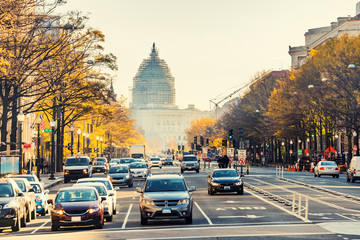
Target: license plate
<point x="76" y="219"/>
<point x="227" y="188"/>
<point x="166" y="211"/>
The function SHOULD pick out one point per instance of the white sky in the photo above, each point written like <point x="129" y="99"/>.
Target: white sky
<point x="211" y="46"/>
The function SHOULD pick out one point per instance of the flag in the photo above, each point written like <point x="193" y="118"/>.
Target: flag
<point x="42" y="125"/>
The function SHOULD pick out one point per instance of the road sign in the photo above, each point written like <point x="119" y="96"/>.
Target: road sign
<point x="47" y="130"/>
<point x="230" y="152"/>
<point x="242" y="156"/>
<point x="27" y="145"/>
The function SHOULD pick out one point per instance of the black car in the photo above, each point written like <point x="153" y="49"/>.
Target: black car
<point x="225" y="180"/>
<point x="99" y="167"/>
<point x="12" y="206"/>
<point x="304" y="163"/>
<point x="168" y="161"/>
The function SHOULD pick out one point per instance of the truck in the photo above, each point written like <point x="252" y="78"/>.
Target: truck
<point x="137" y="151"/>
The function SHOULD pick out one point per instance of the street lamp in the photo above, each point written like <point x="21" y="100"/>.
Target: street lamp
<point x="38" y="122"/>
<point x="53" y="126"/>
<point x="84" y="135"/>
<point x="87" y="142"/>
<point x="78" y="133"/>
<point x="20" y="118"/>
<point x="72" y="139"/>
<point x="101" y="140"/>
<point x="97" y="146"/>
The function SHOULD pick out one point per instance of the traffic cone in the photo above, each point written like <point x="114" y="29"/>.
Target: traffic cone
<point x="289" y="169"/>
<point x="311" y="170"/>
<point x="298" y="168"/>
<point x="303" y="169"/>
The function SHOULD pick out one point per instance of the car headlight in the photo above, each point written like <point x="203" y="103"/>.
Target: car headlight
<point x="148" y="202"/>
<point x="109" y="177"/>
<point x="85" y="171"/>
<point x="66" y="172"/>
<point x="58" y="211"/>
<point x="127" y="176"/>
<point x="145" y="171"/>
<point x="10" y="205"/>
<point x="238" y="183"/>
<point x="93" y="210"/>
<point x="183" y="201"/>
<point x="39" y="199"/>
<point x="215" y="184"/>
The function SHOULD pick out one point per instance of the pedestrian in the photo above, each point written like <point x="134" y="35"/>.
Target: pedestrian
<point x="45" y="166"/>
<point x="41" y="165"/>
<point x="226" y="161"/>
<point x="220" y="162"/>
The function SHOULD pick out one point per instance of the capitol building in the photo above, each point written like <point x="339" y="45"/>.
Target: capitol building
<point x="153" y="105"/>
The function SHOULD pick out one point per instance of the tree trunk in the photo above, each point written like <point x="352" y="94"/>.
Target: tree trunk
<point x="14" y="122"/>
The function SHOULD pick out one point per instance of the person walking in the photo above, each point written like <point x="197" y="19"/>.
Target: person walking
<point x="226" y="161"/>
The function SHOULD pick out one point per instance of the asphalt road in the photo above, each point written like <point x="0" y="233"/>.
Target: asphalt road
<point x="263" y="212"/>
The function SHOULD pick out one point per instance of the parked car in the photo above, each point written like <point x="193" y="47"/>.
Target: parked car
<point x="168" y="161"/>
<point x="155" y="162"/>
<point x="77" y="206"/>
<point x="29" y="194"/>
<point x="103" y="192"/>
<point x="77" y="167"/>
<point x="165" y="196"/>
<point x="303" y="162"/>
<point x="108" y="186"/>
<point x="326" y="168"/>
<point x="126" y="161"/>
<point x="29" y="177"/>
<point x="139" y="170"/>
<point x="190" y="163"/>
<point x="353" y="172"/>
<point x="225" y="180"/>
<point x="120" y="175"/>
<point x="99" y="167"/>
<point x="12" y="203"/>
<point x="41" y="198"/>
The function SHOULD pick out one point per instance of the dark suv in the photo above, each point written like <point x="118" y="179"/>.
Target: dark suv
<point x="12" y="205"/>
<point x="77" y="167"/>
<point x="165" y="196"/>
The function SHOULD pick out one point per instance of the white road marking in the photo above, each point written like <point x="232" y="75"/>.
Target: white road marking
<point x="202" y="212"/>
<point x="247" y="216"/>
<point x="354" y="220"/>
<point x="127" y="216"/>
<point x="40" y="227"/>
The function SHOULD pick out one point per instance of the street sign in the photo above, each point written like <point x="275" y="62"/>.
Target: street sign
<point x="242" y="156"/>
<point x="230" y="152"/>
<point x="27" y="145"/>
<point x="300" y="152"/>
<point x="47" y="130"/>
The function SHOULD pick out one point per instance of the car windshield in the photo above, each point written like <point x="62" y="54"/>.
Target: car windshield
<point x="100" y="159"/>
<point x="225" y="173"/>
<point x="6" y="190"/>
<point x="100" y="188"/>
<point x="77" y="162"/>
<point x="328" y="164"/>
<point x="76" y="195"/>
<point x="105" y="182"/>
<point x="137" y="165"/>
<point x="155" y="159"/>
<point x="30" y="178"/>
<point x="119" y="169"/>
<point x="21" y="185"/>
<point x="189" y="159"/>
<point x="137" y="155"/>
<point x="115" y="161"/>
<point x="99" y="163"/>
<point x="168" y="160"/>
<point x="36" y="187"/>
<point x="160" y="185"/>
<point x="127" y="160"/>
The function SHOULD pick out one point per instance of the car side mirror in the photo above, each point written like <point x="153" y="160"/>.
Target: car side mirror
<point x="192" y="188"/>
<point x="242" y="175"/>
<point x="90" y="163"/>
<point x="103" y="199"/>
<point x="50" y="201"/>
<point x="20" y="194"/>
<point x="111" y="194"/>
<point x="209" y="176"/>
<point x="138" y="190"/>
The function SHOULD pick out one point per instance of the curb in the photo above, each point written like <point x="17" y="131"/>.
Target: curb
<point x="56" y="182"/>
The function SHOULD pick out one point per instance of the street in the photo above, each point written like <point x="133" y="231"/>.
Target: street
<point x="259" y="213"/>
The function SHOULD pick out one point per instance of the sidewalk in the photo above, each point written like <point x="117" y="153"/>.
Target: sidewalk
<point x="59" y="177"/>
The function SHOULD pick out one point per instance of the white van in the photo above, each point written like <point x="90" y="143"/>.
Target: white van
<point x="353" y="172"/>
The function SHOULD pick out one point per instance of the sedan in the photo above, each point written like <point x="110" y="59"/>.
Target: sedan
<point x="41" y="199"/>
<point x="326" y="168"/>
<point x="99" y="167"/>
<point x="77" y="206"/>
<point x="225" y="180"/>
<point x="139" y="170"/>
<point x="120" y="175"/>
<point x="29" y="194"/>
<point x="168" y="161"/>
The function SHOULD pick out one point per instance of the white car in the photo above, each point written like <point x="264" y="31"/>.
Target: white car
<point x="155" y="162"/>
<point x="326" y="168"/>
<point x="139" y="170"/>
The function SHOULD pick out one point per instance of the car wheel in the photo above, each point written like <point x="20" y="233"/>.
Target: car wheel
<point x="23" y="220"/>
<point x="54" y="227"/>
<point x="352" y="179"/>
<point x="315" y="174"/>
<point x="109" y="219"/>
<point x="188" y="219"/>
<point x="337" y="176"/>
<point x="144" y="221"/>
<point x="33" y="214"/>
<point x="28" y="215"/>
<point x="16" y="226"/>
<point x="241" y="191"/>
<point x="100" y="225"/>
<point x="114" y="211"/>
<point x="212" y="192"/>
<point x="182" y="171"/>
<point x="347" y="178"/>
<point x="131" y="184"/>
<point x="43" y="212"/>
<point x="197" y="170"/>
<point x="333" y="176"/>
<point x="319" y="175"/>
<point x="66" y="180"/>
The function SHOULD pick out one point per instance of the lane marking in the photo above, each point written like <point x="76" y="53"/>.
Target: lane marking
<point x="40" y="226"/>
<point x="281" y="208"/>
<point x="127" y="216"/>
<point x="203" y="213"/>
<point x="349" y="218"/>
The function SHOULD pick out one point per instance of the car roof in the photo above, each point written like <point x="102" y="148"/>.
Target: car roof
<point x="93" y="179"/>
<point x="76" y="187"/>
<point x="90" y="184"/>
<point x="165" y="176"/>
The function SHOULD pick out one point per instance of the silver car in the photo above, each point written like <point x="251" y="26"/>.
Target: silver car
<point x="139" y="170"/>
<point x="326" y="168"/>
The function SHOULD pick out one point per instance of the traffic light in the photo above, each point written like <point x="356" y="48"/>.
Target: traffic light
<point x="224" y="143"/>
<point x="179" y="148"/>
<point x="183" y="147"/>
<point x="192" y="146"/>
<point x="231" y="133"/>
<point x="47" y="146"/>
<point x="69" y="146"/>
<point x="241" y="131"/>
<point x="195" y="139"/>
<point x="312" y="133"/>
<point x="207" y="142"/>
<point x="201" y="141"/>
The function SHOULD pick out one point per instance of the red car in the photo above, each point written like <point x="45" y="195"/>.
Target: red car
<point x="207" y="159"/>
<point x="77" y="206"/>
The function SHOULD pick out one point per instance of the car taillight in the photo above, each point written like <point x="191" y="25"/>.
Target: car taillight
<point x="354" y="171"/>
<point x="337" y="168"/>
<point x="322" y="168"/>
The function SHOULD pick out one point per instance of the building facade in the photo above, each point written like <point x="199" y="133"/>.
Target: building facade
<point x="317" y="36"/>
<point x="153" y="105"/>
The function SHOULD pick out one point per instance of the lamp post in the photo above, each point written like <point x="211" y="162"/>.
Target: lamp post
<point x="53" y="126"/>
<point x="97" y="146"/>
<point x="101" y="140"/>
<point x="38" y="122"/>
<point x="78" y="133"/>
<point x="87" y="143"/>
<point x="20" y="118"/>
<point x="72" y="139"/>
<point x="84" y="135"/>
